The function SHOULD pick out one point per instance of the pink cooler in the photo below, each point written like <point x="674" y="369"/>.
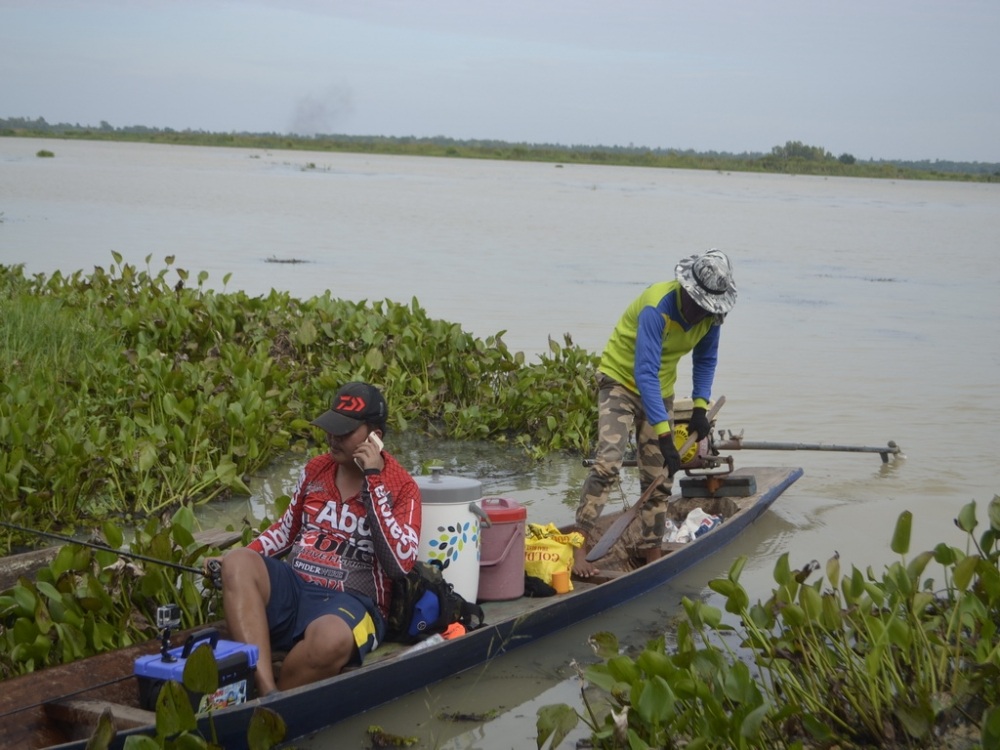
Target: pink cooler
<point x="501" y="560"/>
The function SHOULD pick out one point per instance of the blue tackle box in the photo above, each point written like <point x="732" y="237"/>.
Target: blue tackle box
<point x="237" y="663"/>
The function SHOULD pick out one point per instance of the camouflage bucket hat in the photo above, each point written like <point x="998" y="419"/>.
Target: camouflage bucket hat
<point x="708" y="279"/>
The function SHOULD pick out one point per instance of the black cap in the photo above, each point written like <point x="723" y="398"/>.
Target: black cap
<point x="353" y="405"/>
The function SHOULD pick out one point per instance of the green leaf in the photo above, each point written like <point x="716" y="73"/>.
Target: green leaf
<point x="147" y="457"/>
<point x="793" y="615"/>
<point x="26" y="601"/>
<point x="104" y="733"/>
<point x="605" y="644"/>
<point x="183" y="518"/>
<point x="833" y="570"/>
<point x="229" y="475"/>
<point x="555" y="722"/>
<point x="140" y="742"/>
<point x="655" y="663"/>
<point x="900" y="634"/>
<point x="994" y="513"/>
<point x="832" y="615"/>
<point x="656" y="701"/>
<point x="599" y="676"/>
<point x="174" y="713"/>
<point x="64" y="560"/>
<point x="635" y="742"/>
<point x="944" y="555"/>
<point x="916" y="720"/>
<point x="201" y="673"/>
<point x="901" y="536"/>
<point x="736" y="569"/>
<point x="966" y="520"/>
<point x="623" y="669"/>
<point x="267" y="729"/>
<point x="917" y="565"/>
<point x="50" y="591"/>
<point x="854" y="586"/>
<point x="72" y="641"/>
<point x="875" y="592"/>
<point x="113" y="534"/>
<point x="722" y="586"/>
<point x="963" y="572"/>
<point x="712" y="616"/>
<point x="990" y="732"/>
<point x="189" y="741"/>
<point x="750" y="726"/>
<point x="816" y="728"/>
<point x="306" y="333"/>
<point x="811" y="603"/>
<point x="782" y="571"/>
<point x="374" y="359"/>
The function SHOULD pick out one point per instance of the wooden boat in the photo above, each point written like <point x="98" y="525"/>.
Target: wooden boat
<point x="59" y="706"/>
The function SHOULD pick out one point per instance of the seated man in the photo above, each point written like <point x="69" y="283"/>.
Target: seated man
<point x="352" y="526"/>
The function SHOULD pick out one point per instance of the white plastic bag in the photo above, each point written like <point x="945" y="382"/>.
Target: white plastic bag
<point x="698" y="522"/>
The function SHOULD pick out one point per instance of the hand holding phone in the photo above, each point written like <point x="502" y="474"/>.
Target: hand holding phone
<point x="374" y="440"/>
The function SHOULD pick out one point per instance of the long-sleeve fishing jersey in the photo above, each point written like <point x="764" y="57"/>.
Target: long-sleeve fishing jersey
<point x="647" y="343"/>
<point x="355" y="544"/>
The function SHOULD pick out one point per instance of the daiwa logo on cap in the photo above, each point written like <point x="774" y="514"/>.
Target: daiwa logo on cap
<point x="350" y="404"/>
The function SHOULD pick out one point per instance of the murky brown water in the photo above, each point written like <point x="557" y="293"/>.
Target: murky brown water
<point x="868" y="312"/>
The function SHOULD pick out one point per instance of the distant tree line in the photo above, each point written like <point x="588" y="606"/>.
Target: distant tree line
<point x="794" y="157"/>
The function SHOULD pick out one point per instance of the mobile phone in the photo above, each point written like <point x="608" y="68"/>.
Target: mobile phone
<point x="374" y="439"/>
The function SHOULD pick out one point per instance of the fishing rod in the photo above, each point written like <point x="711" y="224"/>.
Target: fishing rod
<point x="168" y="616"/>
<point x="105" y="548"/>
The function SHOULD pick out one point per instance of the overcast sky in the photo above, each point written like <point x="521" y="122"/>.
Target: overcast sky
<point x="883" y="79"/>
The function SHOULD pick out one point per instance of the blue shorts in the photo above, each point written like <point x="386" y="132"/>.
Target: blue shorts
<point x="294" y="604"/>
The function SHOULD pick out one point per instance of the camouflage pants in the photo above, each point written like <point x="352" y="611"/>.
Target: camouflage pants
<point x="619" y="412"/>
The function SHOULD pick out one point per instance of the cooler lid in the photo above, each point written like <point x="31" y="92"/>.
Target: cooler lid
<point x="503" y="510"/>
<point x="152" y="665"/>
<point x="438" y="487"/>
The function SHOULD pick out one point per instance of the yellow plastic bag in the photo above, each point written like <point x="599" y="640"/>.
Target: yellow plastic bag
<point x="547" y="549"/>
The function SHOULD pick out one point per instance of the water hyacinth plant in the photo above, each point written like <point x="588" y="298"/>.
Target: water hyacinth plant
<point x="126" y="392"/>
<point x="89" y="601"/>
<point x="847" y="660"/>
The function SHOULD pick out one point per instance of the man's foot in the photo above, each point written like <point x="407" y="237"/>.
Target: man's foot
<point x="582" y="568"/>
<point x="266" y="689"/>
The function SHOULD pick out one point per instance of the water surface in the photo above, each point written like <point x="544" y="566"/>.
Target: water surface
<point x="868" y="312"/>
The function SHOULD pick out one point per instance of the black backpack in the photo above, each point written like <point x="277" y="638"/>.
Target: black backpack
<point x="424" y="603"/>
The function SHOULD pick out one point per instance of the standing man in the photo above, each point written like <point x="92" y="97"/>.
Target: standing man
<point x="635" y="381"/>
<point x="353" y="525"/>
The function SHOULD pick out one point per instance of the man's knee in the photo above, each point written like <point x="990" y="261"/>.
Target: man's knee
<point x="242" y="567"/>
<point x="329" y="643"/>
